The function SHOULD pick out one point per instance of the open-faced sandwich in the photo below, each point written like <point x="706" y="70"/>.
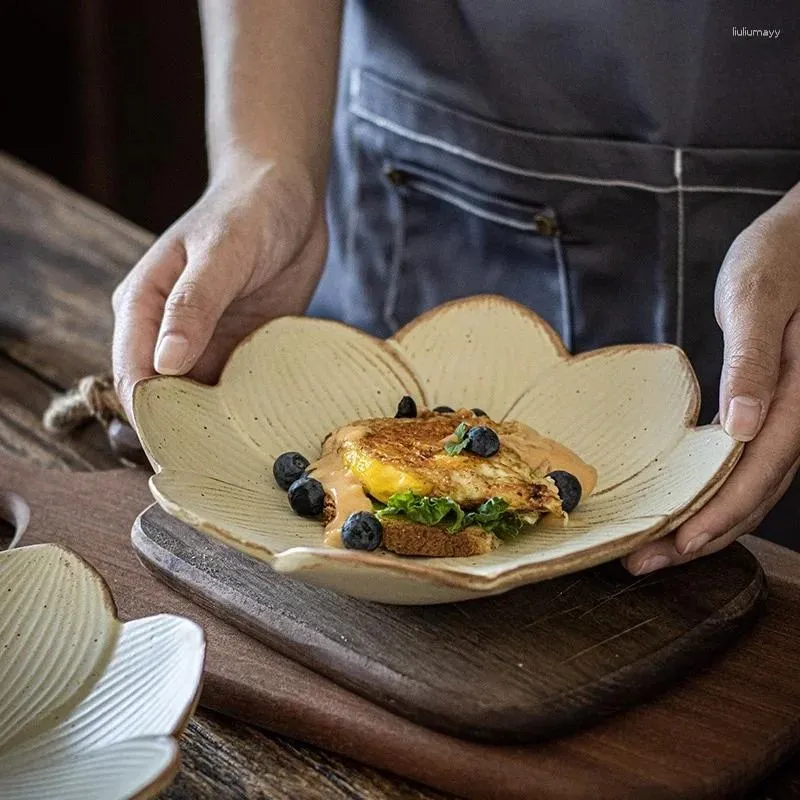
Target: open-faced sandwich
<point x="433" y="483"/>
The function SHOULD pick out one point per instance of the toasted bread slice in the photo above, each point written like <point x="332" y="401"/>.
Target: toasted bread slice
<point x="414" y="539"/>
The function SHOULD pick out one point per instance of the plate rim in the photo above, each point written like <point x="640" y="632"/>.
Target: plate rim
<point x="441" y="576"/>
<point x="166" y="775"/>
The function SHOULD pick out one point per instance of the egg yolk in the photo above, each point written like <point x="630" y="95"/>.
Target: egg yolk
<point x="382" y="480"/>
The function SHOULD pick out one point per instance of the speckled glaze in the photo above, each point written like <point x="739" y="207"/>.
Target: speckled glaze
<point x="630" y="411"/>
<point x="89" y="706"/>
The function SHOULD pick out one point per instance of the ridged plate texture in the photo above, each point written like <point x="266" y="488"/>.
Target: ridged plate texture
<point x="630" y="411"/>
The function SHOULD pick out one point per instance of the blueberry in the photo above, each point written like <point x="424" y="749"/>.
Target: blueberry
<point x="362" y="531"/>
<point x="482" y="441"/>
<point x="406" y="408"/>
<point x="288" y="467"/>
<point x="569" y="488"/>
<point x="443" y="410"/>
<point x="479" y="412"/>
<point x="307" y="497"/>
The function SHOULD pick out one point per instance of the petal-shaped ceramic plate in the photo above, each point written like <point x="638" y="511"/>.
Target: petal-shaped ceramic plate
<point x="630" y="411"/>
<point x="88" y="706"/>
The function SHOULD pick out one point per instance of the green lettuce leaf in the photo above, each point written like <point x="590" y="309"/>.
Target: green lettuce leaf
<point x="425" y="510"/>
<point x="492" y="516"/>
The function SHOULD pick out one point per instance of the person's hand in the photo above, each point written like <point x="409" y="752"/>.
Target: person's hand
<point x="757" y="305"/>
<point x="251" y="249"/>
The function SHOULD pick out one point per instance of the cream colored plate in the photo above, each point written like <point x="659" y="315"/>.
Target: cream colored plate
<point x="629" y="411"/>
<point x="88" y="705"/>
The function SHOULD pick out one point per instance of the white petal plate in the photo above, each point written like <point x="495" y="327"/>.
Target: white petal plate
<point x="630" y="411"/>
<point x="88" y="705"/>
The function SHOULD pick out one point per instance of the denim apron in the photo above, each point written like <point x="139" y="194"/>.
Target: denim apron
<point x="593" y="162"/>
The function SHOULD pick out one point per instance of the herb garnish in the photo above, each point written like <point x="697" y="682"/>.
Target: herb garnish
<point x="460" y="440"/>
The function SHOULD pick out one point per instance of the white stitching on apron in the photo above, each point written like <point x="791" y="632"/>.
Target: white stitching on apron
<point x="565" y="292"/>
<point x="355" y="82"/>
<point x="420" y="176"/>
<point x="406" y="133"/>
<point x="473" y="209"/>
<point x="678" y="170"/>
<point x="733" y="190"/>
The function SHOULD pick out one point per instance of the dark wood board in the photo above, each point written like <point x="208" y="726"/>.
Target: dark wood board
<point x="535" y="662"/>
<point x="743" y="711"/>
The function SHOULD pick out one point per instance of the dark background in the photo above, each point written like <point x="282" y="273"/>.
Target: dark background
<point x="107" y="97"/>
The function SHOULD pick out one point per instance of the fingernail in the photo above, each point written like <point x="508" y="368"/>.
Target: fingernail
<point x="693" y="545"/>
<point x="171" y="354"/>
<point x="744" y="416"/>
<point x="651" y="565"/>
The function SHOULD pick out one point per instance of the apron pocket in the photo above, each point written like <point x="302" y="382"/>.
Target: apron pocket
<point x="456" y="240"/>
<point x="582" y="231"/>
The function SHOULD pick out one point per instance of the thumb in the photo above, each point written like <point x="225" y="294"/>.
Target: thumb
<point x="753" y="331"/>
<point x="193" y="308"/>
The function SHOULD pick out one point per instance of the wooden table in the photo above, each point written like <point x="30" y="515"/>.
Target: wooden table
<point x="60" y="258"/>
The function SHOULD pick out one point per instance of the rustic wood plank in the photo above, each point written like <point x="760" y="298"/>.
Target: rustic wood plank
<point x="60" y="258"/>
<point x="224" y="759"/>
<point x="23" y="398"/>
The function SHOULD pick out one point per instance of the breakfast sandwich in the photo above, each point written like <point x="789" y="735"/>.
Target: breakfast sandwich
<point x="433" y="483"/>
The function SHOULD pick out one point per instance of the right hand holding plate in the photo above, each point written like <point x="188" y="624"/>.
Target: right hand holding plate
<point x="252" y="248"/>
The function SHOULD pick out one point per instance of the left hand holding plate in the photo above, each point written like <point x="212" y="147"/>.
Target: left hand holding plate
<point x="757" y="305"/>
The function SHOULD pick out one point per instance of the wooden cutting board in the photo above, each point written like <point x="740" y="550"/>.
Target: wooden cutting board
<point x="711" y="735"/>
<point x="531" y="663"/>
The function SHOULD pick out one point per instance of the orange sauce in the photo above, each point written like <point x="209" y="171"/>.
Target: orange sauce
<point x="545" y="455"/>
<point x="345" y="491"/>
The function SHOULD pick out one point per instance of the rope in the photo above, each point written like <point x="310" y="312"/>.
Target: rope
<point x="94" y="397"/>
